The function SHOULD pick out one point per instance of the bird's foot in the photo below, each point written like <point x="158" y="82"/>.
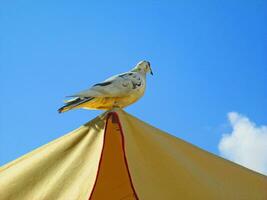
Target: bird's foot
<point x="115" y="108"/>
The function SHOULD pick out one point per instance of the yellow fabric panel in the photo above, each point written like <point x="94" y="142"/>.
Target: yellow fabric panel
<point x="165" y="167"/>
<point x="113" y="181"/>
<point x="64" y="169"/>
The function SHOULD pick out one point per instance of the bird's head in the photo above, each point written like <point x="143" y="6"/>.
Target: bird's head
<point x="143" y="67"/>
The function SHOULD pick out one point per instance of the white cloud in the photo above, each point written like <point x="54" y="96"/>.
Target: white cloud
<point x="246" y="144"/>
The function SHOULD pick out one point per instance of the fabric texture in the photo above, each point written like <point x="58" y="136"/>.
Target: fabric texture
<point x="117" y="156"/>
<point x="165" y="167"/>
<point x="64" y="169"/>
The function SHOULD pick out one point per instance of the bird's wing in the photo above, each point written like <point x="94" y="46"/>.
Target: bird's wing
<point x="116" y="86"/>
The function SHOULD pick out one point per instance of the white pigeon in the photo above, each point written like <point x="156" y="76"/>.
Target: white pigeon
<point x="117" y="91"/>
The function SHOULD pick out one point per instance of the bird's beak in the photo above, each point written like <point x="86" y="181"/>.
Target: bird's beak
<point x="150" y="68"/>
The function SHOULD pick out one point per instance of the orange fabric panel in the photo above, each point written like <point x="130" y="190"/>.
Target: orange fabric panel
<point x="113" y="179"/>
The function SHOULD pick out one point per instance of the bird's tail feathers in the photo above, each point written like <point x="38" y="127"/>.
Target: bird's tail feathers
<point x="72" y="103"/>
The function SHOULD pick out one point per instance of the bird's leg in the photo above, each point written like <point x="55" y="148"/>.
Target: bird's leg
<point x="114" y="109"/>
<point x="116" y="106"/>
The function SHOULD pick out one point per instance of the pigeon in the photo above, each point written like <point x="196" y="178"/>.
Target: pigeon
<point x="117" y="91"/>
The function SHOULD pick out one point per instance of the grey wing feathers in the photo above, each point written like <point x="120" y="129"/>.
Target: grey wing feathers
<point x="103" y="83"/>
<point x="119" y="85"/>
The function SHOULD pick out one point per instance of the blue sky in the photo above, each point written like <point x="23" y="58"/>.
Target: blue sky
<point x="208" y="58"/>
